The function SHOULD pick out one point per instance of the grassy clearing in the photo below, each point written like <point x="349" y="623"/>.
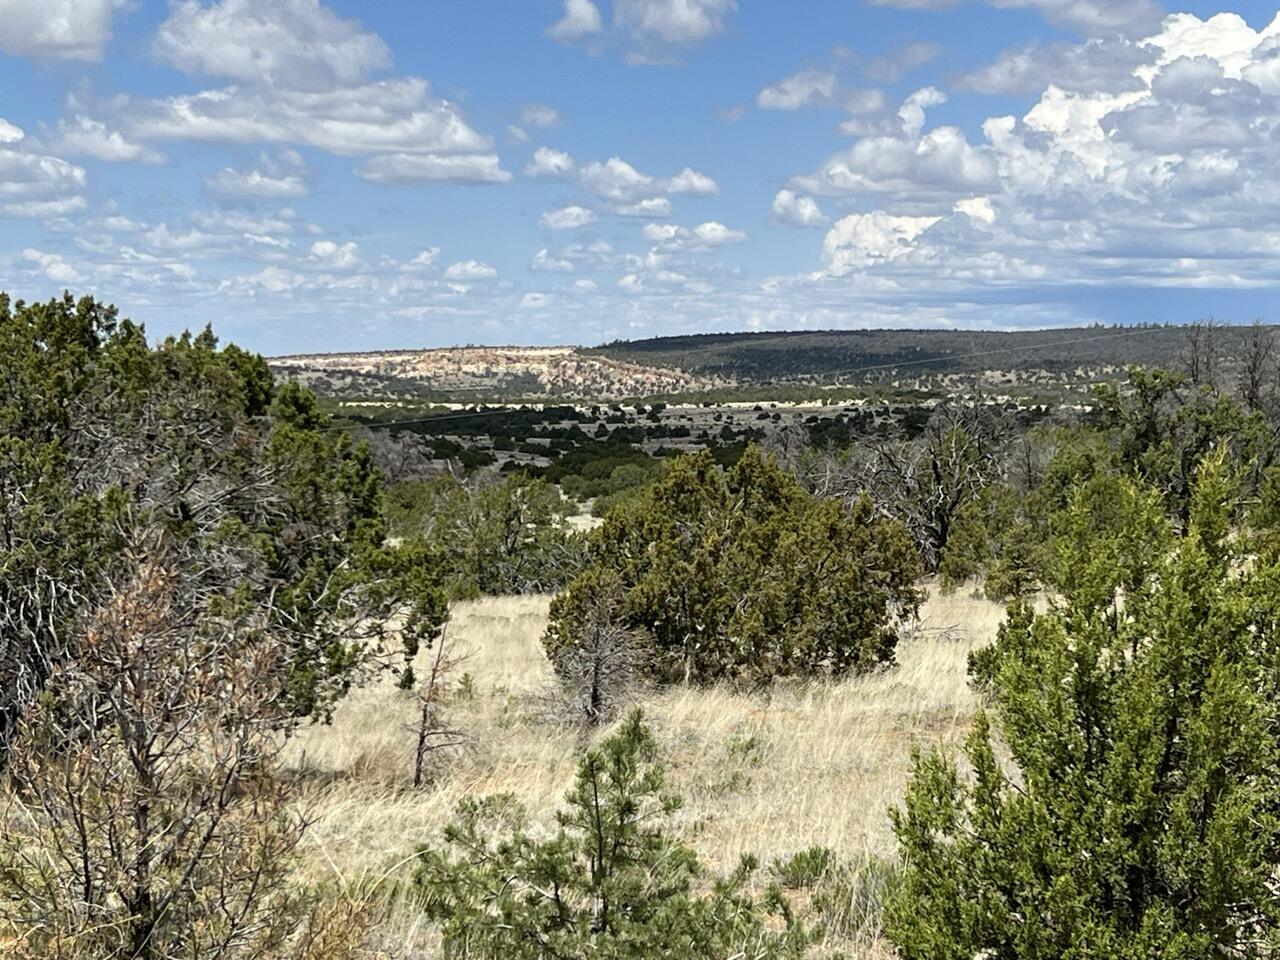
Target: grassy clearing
<point x="768" y="773"/>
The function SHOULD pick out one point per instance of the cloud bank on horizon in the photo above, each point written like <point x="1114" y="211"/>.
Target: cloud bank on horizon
<point x="311" y="175"/>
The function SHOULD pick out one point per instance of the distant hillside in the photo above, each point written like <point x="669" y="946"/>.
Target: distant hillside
<point x="1062" y="355"/>
<point x="1030" y="363"/>
<point x="491" y="372"/>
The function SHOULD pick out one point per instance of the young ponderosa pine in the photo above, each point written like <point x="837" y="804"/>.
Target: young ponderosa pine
<point x="1140" y="714"/>
<point x="743" y="574"/>
<point x="611" y="884"/>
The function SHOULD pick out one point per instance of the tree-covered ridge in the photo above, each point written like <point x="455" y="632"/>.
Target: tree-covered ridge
<point x="830" y="353"/>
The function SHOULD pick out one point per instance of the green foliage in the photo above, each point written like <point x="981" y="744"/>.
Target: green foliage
<point x="1154" y="428"/>
<point x="623" y="482"/>
<point x="743" y="574"/>
<point x="495" y="538"/>
<point x="848" y="901"/>
<point x="1164" y="429"/>
<point x="604" y="505"/>
<point x="1140" y="714"/>
<point x="1263" y="519"/>
<point x="612" y="883"/>
<point x="991" y="538"/>
<point x="104" y="437"/>
<point x="804" y="868"/>
<point x="1078" y="455"/>
<point x="1108" y="538"/>
<point x="613" y="473"/>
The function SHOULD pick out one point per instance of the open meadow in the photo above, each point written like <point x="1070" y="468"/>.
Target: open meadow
<point x="765" y="773"/>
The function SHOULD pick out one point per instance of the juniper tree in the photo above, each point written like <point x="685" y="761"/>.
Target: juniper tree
<point x="994" y="539"/>
<point x="743" y="574"/>
<point x="145" y="812"/>
<point x="1163" y="428"/>
<point x="106" y="439"/>
<point x="1137" y="814"/>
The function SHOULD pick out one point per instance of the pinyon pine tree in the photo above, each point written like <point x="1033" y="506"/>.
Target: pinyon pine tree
<point x="1137" y="817"/>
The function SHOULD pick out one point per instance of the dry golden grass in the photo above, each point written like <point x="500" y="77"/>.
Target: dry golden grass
<point x="771" y="774"/>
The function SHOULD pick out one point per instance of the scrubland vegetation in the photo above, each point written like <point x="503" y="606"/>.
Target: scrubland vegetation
<point x="810" y="764"/>
<point x="974" y="686"/>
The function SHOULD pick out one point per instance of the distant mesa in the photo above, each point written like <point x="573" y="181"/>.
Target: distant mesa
<point x="906" y="359"/>
<point x="563" y="371"/>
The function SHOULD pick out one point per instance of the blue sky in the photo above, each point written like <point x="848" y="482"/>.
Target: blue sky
<point x="334" y="176"/>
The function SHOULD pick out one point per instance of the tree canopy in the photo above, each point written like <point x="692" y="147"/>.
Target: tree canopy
<point x="1137" y="815"/>
<point x="743" y="574"/>
<point x="109" y="443"/>
<point x="491" y="536"/>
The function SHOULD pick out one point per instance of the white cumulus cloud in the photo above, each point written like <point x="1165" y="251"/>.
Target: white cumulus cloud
<point x="36" y="186"/>
<point x="714" y="234"/>
<point x="547" y="162"/>
<point x="336" y="256"/>
<point x="977" y="208"/>
<point x="274" y="178"/>
<point x="616" y="180"/>
<point x="545" y="261"/>
<point x="797" y="210"/>
<point x="57" y="29"/>
<point x="470" y="270"/>
<point x="674" y="21"/>
<point x="293" y="43"/>
<point x="81" y="136"/>
<point x="406" y="169"/>
<point x="568" y="218"/>
<point x="1151" y="165"/>
<point x="648" y="207"/>
<point x="670" y="238"/>
<point x="52" y="265"/>
<point x="689" y="182"/>
<point x="580" y="18"/>
<point x="864" y="239"/>
<point x="426" y="257"/>
<point x="803" y="89"/>
<point x="938" y="165"/>
<point x="296" y="74"/>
